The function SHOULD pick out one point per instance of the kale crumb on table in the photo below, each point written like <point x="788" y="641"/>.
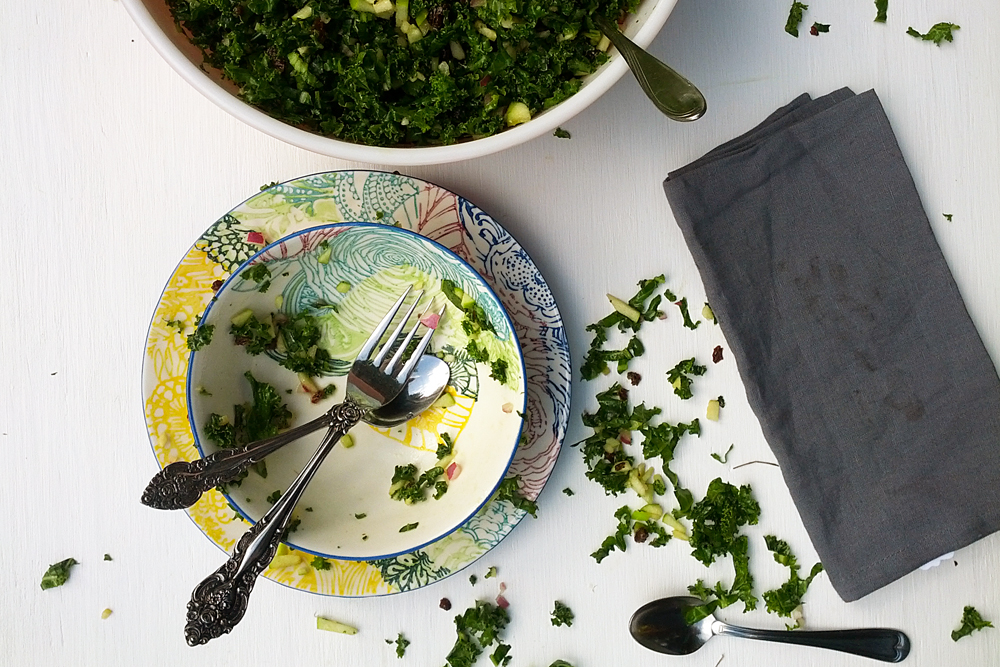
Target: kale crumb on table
<point x="410" y="72"/>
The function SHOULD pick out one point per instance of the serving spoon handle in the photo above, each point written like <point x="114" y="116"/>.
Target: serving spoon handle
<point x="675" y="96"/>
<point x="877" y="643"/>
<point x="219" y="602"/>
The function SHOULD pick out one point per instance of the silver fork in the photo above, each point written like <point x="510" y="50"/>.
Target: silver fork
<point x="182" y="483"/>
<point x="219" y="602"/>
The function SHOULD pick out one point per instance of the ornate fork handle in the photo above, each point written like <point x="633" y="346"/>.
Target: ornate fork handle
<point x="180" y="484"/>
<point x="219" y="602"/>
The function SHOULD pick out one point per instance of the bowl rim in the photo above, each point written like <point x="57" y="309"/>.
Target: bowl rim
<point x="347" y="225"/>
<point x="547" y="121"/>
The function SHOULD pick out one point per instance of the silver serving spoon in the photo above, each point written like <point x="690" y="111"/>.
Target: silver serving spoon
<point x="662" y="626"/>
<point x="182" y="483"/>
<point x="672" y="94"/>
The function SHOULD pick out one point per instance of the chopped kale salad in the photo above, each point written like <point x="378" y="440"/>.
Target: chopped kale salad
<point x="401" y="72"/>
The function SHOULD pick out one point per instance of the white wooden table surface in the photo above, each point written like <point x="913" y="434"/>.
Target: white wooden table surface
<point x="113" y="166"/>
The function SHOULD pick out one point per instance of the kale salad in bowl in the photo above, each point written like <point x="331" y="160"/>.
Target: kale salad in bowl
<point x="397" y="81"/>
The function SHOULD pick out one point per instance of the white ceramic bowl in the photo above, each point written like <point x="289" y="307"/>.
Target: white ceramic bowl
<point x="156" y="23"/>
<point x="351" y="515"/>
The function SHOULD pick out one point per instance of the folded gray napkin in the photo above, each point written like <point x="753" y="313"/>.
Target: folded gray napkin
<point x="868" y="377"/>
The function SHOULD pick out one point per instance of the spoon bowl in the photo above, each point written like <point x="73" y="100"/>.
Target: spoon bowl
<point x="683" y="624"/>
<point x="425" y="386"/>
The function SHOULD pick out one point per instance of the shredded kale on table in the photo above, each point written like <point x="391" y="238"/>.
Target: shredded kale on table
<point x="57" y="574"/>
<point x="939" y="32"/>
<point x="795" y="18"/>
<point x="971" y="621"/>
<point x="596" y="361"/>
<point x="562" y="615"/>
<point x="786" y="599"/>
<point x="408" y="72"/>
<point x="478" y="628"/>
<point x="679" y="376"/>
<point x="881" y="9"/>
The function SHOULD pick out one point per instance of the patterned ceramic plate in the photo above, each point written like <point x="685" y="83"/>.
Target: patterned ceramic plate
<point x="431" y="211"/>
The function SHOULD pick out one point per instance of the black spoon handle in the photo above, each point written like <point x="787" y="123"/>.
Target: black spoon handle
<point x="877" y="643"/>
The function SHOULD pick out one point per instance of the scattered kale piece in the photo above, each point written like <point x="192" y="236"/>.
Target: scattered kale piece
<point x="477" y="353"/>
<point x="409" y="488"/>
<point x="445" y="447"/>
<point x="971" y="621"/>
<point x="268" y="186"/>
<point x="293" y="526"/>
<point x="254" y="335"/>
<point x="510" y="490"/>
<point x="274" y="496"/>
<point x="717" y="518"/>
<point x="401" y="644"/>
<point x="715" y="523"/>
<point x="260" y="274"/>
<point x="817" y="28"/>
<point x="881" y="8"/>
<point x="596" y="361"/>
<point x="176" y="324"/>
<point x="358" y="516"/>
<point x="498" y="370"/>
<point x="568" y="491"/>
<point x="616" y="540"/>
<point x="783" y="601"/>
<point x="408" y="527"/>
<point x="58" y="573"/>
<point x="562" y="134"/>
<point x="947" y="216"/>
<point x="939" y="32"/>
<point x="491" y="572"/>
<point x="560" y="663"/>
<point x="303" y="354"/>
<point x="478" y="628"/>
<point x="607" y="463"/>
<point x="683" y="305"/>
<point x="722" y="402"/>
<point x="473" y="579"/>
<point x="320" y="563"/>
<point x="724" y="457"/>
<point x="262" y="418"/>
<point x="679" y="377"/>
<point x="201" y="337"/>
<point x="108" y="557"/>
<point x="562" y="615"/>
<point x="795" y="18"/>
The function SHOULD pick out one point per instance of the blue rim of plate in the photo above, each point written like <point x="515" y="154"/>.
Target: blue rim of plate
<point x="453" y="221"/>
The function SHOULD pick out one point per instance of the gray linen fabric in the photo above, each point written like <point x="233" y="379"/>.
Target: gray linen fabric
<point x="868" y="377"/>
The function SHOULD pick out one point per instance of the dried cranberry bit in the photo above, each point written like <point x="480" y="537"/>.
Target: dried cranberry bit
<point x="485" y="80"/>
<point x="813" y="30"/>
<point x="622" y="394"/>
<point x="217" y="285"/>
<point x="634" y="378"/>
<point x="445" y="604"/>
<point x="641" y="534"/>
<point x="717" y="354"/>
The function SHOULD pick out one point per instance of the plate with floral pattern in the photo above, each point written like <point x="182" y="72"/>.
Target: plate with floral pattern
<point x="383" y="198"/>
